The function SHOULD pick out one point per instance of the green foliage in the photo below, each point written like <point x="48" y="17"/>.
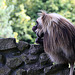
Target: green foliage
<point x="22" y="24"/>
<point x="17" y="17"/>
<point x="5" y="25"/>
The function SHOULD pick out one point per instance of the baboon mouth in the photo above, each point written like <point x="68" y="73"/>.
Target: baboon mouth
<point x="39" y="39"/>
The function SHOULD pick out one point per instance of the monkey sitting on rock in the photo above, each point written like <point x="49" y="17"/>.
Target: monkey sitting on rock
<point x="58" y="38"/>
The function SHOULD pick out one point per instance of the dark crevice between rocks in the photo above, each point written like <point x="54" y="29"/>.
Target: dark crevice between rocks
<point x="2" y="61"/>
<point x="11" y="52"/>
<point x="13" y="70"/>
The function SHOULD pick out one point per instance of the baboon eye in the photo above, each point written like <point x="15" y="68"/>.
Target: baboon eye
<point x="38" y="25"/>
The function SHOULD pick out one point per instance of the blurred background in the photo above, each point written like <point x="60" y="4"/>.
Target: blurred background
<point x="17" y="17"/>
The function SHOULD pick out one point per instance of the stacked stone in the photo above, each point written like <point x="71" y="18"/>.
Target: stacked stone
<point x="25" y="59"/>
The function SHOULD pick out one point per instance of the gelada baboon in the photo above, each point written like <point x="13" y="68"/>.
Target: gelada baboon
<point x="58" y="38"/>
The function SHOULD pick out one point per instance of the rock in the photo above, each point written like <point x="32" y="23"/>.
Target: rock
<point x="22" y="45"/>
<point x="5" y="71"/>
<point x="31" y="72"/>
<point x="29" y="59"/>
<point x="34" y="71"/>
<point x="36" y="49"/>
<point x="16" y="53"/>
<point x="32" y="58"/>
<point x="14" y="62"/>
<point x="7" y="43"/>
<point x="55" y="68"/>
<point x="63" y="72"/>
<point x="24" y="58"/>
<point x="21" y="72"/>
<point x="44" y="60"/>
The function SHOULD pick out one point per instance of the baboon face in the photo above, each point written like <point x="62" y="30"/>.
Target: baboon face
<point x="38" y="27"/>
<point x="38" y="30"/>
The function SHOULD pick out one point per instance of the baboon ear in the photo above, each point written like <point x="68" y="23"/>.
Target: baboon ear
<point x="44" y="16"/>
<point x="42" y="12"/>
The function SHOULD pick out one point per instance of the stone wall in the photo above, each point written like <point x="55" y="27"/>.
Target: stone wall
<point x="26" y="59"/>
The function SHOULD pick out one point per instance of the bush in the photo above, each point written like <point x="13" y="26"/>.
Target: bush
<point x="17" y="17"/>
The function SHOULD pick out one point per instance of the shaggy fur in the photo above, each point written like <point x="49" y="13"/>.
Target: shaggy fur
<point x="59" y="38"/>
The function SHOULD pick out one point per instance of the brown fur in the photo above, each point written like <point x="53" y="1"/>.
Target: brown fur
<point x="59" y="38"/>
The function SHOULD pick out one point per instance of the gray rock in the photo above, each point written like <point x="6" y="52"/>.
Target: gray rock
<point x="24" y="58"/>
<point x="21" y="72"/>
<point x="62" y="72"/>
<point x="34" y="71"/>
<point x="32" y="61"/>
<point x="14" y="62"/>
<point x="16" y="53"/>
<point x="5" y="70"/>
<point x="44" y="60"/>
<point x="29" y="59"/>
<point x="7" y="43"/>
<point x="55" y="68"/>
<point x="31" y="72"/>
<point x="22" y="45"/>
<point x="36" y="49"/>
